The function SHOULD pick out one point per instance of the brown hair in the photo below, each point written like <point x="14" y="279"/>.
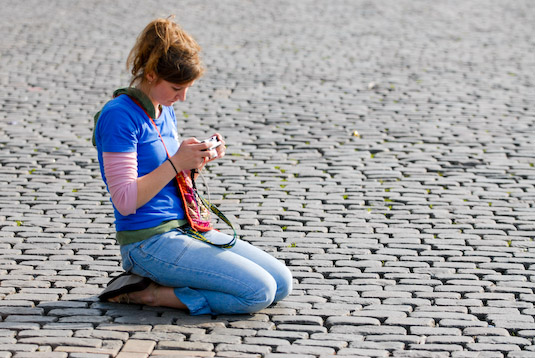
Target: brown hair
<point x="166" y="50"/>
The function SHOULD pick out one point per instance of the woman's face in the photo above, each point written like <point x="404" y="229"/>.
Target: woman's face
<point x="167" y="93"/>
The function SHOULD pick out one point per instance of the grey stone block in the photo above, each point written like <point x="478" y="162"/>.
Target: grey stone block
<point x="402" y="175"/>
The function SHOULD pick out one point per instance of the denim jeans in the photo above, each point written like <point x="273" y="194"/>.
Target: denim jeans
<point x="208" y="279"/>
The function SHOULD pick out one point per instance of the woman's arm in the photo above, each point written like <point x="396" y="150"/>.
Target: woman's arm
<point x="128" y="192"/>
<point x="190" y="155"/>
<point x="120" y="170"/>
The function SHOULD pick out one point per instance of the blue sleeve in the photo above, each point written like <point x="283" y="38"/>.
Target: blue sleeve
<point x="117" y="130"/>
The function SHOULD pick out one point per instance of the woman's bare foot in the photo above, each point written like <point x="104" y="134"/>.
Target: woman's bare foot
<point x="154" y="295"/>
<point x="144" y="297"/>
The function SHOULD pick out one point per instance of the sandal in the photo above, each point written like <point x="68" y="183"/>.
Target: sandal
<point x="122" y="285"/>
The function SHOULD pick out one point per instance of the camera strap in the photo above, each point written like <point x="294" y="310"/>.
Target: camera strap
<point x="196" y="226"/>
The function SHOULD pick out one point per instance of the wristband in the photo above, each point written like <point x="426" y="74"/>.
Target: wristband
<point x="169" y="159"/>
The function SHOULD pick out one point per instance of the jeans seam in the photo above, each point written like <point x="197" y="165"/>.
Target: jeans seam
<point x="242" y="283"/>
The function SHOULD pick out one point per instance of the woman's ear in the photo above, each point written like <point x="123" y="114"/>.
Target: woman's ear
<point x="150" y="77"/>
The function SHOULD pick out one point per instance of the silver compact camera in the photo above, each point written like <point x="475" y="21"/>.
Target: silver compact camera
<point x="214" y="141"/>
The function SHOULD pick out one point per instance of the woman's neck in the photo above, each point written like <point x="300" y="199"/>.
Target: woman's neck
<point x="145" y="88"/>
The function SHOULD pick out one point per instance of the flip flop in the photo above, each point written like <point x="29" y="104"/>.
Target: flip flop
<point x="125" y="283"/>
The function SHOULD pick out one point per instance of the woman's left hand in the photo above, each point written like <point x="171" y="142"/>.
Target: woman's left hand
<point x="218" y="152"/>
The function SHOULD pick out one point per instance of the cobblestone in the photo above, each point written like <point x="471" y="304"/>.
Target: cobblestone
<point x="382" y="150"/>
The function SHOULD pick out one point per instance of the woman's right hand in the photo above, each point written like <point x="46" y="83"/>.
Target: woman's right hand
<point x="191" y="154"/>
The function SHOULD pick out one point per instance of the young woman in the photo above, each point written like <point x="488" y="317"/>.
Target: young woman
<point x="139" y="155"/>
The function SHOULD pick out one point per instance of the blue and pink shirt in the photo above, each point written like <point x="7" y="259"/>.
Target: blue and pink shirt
<point x="124" y="127"/>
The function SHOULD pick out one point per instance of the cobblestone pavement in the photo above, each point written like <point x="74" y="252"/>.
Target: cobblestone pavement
<point x="382" y="149"/>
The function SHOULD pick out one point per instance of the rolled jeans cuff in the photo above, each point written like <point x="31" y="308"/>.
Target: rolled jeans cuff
<point x="196" y="302"/>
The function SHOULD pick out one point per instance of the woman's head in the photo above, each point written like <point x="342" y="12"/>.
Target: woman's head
<point x="165" y="52"/>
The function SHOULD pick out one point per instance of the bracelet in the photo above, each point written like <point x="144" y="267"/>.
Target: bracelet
<point x="169" y="159"/>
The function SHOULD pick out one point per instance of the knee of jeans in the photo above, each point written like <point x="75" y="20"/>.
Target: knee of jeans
<point x="284" y="284"/>
<point x="263" y="296"/>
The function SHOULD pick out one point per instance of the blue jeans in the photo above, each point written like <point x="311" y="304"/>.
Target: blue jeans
<point x="208" y="279"/>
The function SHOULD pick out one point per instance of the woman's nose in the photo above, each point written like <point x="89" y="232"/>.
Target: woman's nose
<point x="182" y="95"/>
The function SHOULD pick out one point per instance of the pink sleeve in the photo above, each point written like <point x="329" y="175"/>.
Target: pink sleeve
<point x="120" y="170"/>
